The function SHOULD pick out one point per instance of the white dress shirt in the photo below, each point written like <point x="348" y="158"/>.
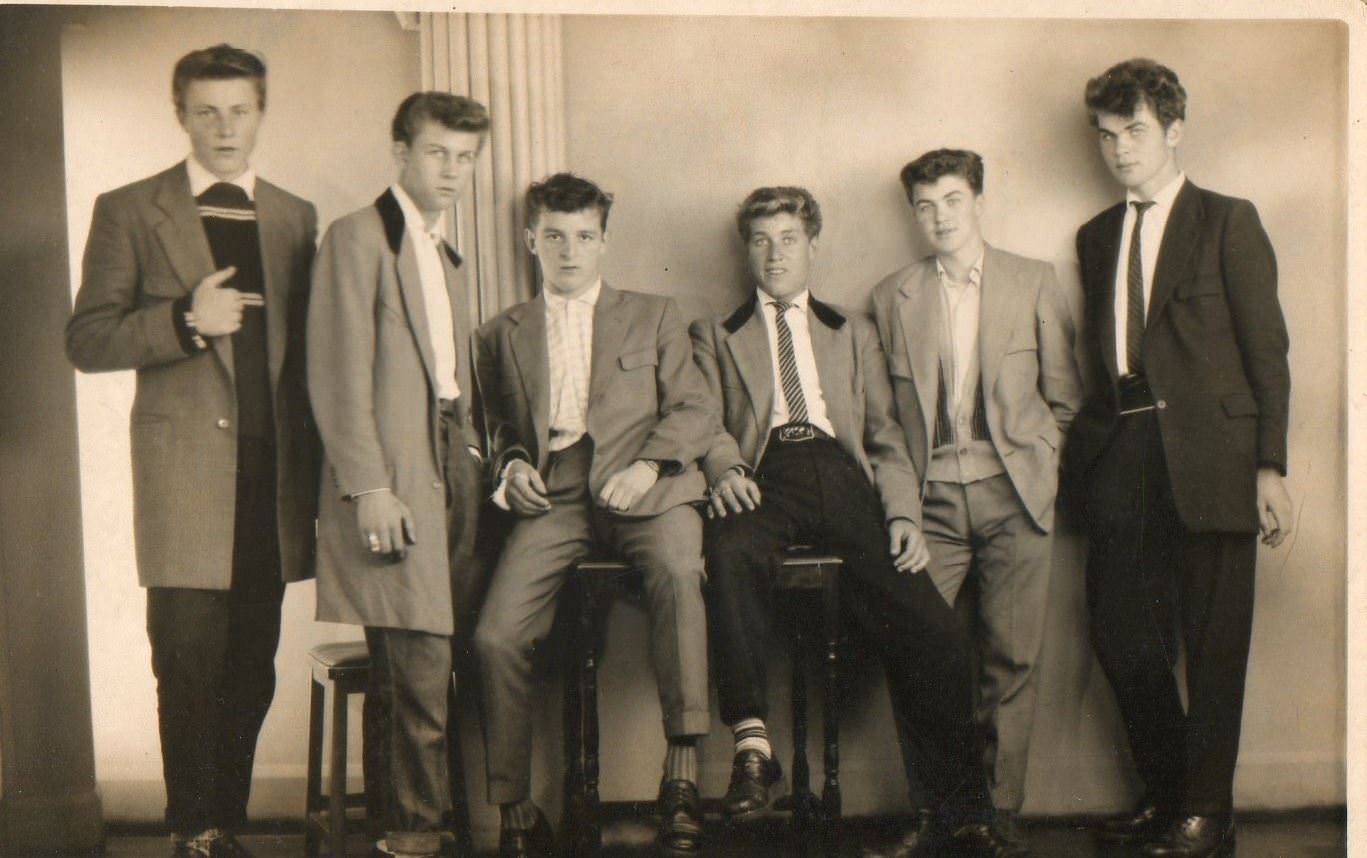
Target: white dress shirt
<point x="569" y="348"/>
<point x="798" y="318"/>
<point x="201" y="179"/>
<point x="436" y="300"/>
<point x="1150" y="239"/>
<point x="961" y="304"/>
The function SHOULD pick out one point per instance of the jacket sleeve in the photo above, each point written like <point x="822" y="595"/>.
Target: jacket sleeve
<point x="723" y="453"/>
<point x="115" y="324"/>
<point x="687" y="414"/>
<point x="504" y="443"/>
<point x="341" y="357"/>
<point x="1059" y="381"/>
<point x="1250" y="268"/>
<point x="884" y="442"/>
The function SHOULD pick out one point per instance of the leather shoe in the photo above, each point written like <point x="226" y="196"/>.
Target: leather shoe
<point x="916" y="842"/>
<point x="1195" y="837"/>
<point x="228" y="846"/>
<point x="680" y="817"/>
<point x="1144" y="824"/>
<point x="535" y="842"/>
<point x="752" y="774"/>
<point x="983" y="840"/>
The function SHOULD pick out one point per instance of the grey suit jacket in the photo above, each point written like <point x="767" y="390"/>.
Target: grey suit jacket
<point x="371" y="383"/>
<point x="1030" y="382"/>
<point x="646" y="400"/>
<point x="146" y="249"/>
<point x="733" y="354"/>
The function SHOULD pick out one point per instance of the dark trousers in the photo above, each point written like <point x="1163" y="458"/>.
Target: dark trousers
<point x="213" y="654"/>
<point x="1154" y="586"/>
<point x="405" y="716"/>
<point x="814" y="492"/>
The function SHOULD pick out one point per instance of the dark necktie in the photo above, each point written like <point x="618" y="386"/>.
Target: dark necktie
<point x="1134" y="317"/>
<point x="787" y="366"/>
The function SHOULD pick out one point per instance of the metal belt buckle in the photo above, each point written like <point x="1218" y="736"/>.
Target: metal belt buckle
<point x="796" y="432"/>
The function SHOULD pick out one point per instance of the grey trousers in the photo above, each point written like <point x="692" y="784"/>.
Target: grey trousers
<point x="520" y="607"/>
<point x="982" y="528"/>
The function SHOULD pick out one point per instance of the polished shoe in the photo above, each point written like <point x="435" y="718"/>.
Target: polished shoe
<point x="916" y="842"/>
<point x="752" y="776"/>
<point x="1141" y="826"/>
<point x="535" y="842"/>
<point x="228" y="846"/>
<point x="1195" y="837"/>
<point x="680" y="817"/>
<point x="984" y="840"/>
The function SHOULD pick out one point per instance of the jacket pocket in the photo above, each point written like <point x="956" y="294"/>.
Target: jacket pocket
<point x="1239" y="405"/>
<point x="638" y="358"/>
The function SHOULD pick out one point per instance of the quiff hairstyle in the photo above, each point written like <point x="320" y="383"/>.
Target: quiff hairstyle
<point x="566" y="192"/>
<point x="1123" y="87"/>
<point x="455" y="112"/>
<point x="782" y="199"/>
<point x="934" y="165"/>
<point x="220" y="62"/>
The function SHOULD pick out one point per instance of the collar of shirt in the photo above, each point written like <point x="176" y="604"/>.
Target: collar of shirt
<point x="975" y="272"/>
<point x="201" y="178"/>
<point x="798" y="301"/>
<point x="1161" y="200"/>
<point x="413" y="218"/>
<point x="589" y="296"/>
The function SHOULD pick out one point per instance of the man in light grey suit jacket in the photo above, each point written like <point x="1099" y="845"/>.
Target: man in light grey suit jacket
<point x="980" y="350"/>
<point x="389" y="377"/>
<point x="197" y="278"/>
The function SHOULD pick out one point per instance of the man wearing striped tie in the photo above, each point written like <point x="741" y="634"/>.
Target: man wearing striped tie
<point x="197" y="278"/>
<point x="811" y="452"/>
<point x="1177" y="458"/>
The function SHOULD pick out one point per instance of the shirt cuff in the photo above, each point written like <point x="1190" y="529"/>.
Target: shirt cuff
<point x="192" y="342"/>
<point x="474" y="451"/>
<point x="354" y="495"/>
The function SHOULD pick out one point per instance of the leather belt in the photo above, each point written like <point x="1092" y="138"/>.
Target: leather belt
<point x="1134" y="394"/>
<point x="797" y="433"/>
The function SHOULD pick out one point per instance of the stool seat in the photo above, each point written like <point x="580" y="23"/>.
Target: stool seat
<point x="342" y="655"/>
<point x="343" y="669"/>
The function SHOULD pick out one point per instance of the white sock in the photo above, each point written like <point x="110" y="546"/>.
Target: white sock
<point x="751" y="735"/>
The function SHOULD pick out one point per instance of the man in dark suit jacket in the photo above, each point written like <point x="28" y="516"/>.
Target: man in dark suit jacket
<point x="390" y="381"/>
<point x="810" y="450"/>
<point x="1177" y="458"/>
<point x="197" y="278"/>
<point x="597" y="417"/>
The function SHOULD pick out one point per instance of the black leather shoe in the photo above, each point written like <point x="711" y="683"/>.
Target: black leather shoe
<point x="752" y="774"/>
<point x="535" y="842"/>
<point x="1143" y="825"/>
<point x="916" y="842"/>
<point x="228" y="846"/>
<point x="680" y="817"/>
<point x="983" y="840"/>
<point x="1195" y="837"/>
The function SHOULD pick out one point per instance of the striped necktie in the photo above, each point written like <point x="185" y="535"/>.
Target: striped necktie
<point x="787" y="366"/>
<point x="1134" y="315"/>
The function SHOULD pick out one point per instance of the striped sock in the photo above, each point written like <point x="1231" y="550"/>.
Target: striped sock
<point x="518" y="814"/>
<point x="681" y="760"/>
<point x="752" y="736"/>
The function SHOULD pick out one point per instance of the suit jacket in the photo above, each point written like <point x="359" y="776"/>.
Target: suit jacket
<point x="733" y="354"/>
<point x="373" y="391"/>
<point x="1029" y="375"/>
<point x="1215" y="347"/>
<point x="146" y="249"/>
<point x="646" y="400"/>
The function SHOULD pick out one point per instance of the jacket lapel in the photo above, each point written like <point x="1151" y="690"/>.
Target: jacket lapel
<point x="410" y="282"/>
<point x="1175" y="252"/>
<point x="1104" y="264"/>
<point x="749" y="347"/>
<point x="920" y="316"/>
<point x="450" y="266"/>
<point x="998" y="313"/>
<point x="182" y="239"/>
<point x="528" y="341"/>
<point x="835" y="372"/>
<point x="274" y="233"/>
<point x="609" y="334"/>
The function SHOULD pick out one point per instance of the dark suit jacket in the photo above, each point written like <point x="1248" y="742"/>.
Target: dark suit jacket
<point x="372" y="385"/>
<point x="733" y="354"/>
<point x="646" y="400"/>
<point x="146" y="249"/>
<point x="1215" y="355"/>
<point x="1031" y="387"/>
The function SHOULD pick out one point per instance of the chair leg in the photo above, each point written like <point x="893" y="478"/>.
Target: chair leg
<point x="313" y="788"/>
<point x="801" y="772"/>
<point x="455" y="763"/>
<point x="590" y="830"/>
<point x="830" y="791"/>
<point x="337" y="777"/>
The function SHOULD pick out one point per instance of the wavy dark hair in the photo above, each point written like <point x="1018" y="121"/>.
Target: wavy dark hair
<point x="1123" y="87"/>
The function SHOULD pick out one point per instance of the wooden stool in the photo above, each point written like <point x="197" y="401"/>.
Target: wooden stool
<point x="346" y="666"/>
<point x="593" y="582"/>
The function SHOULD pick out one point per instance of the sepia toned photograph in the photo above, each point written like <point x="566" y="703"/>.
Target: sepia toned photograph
<point x="846" y="430"/>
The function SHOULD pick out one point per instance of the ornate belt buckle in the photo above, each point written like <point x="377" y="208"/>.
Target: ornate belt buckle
<point x="796" y="432"/>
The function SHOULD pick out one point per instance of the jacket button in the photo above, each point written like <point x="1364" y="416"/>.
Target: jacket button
<point x="222" y="423"/>
<point x="1162" y="403"/>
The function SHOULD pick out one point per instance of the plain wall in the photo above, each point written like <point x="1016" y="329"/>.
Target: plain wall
<point x="334" y="81"/>
<point x="682" y="117"/>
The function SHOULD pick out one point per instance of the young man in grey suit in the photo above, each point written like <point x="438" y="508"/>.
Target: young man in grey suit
<point x="390" y="381"/>
<point x="197" y="278"/>
<point x="980" y="350"/>
<point x="597" y="417"/>
<point x="1177" y="457"/>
